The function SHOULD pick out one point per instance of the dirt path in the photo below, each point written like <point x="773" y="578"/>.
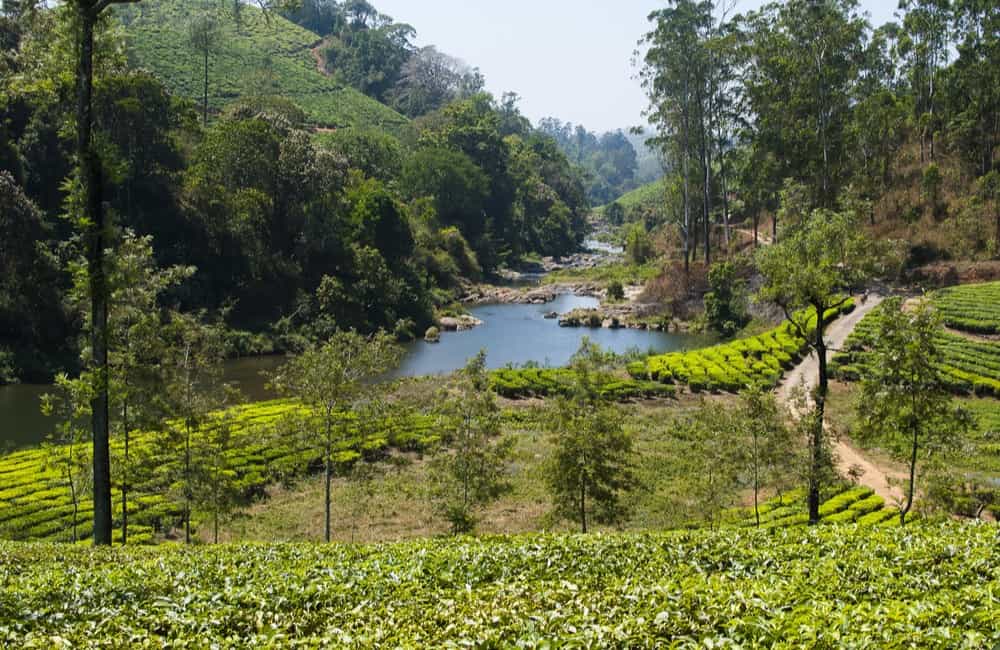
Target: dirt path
<point x="875" y="476"/>
<point x="318" y="58"/>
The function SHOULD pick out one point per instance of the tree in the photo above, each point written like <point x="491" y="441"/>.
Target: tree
<point x="725" y="303"/>
<point x="814" y="269"/>
<point x="204" y="35"/>
<point x="768" y="446"/>
<point x="135" y="342"/>
<point x="192" y="390"/>
<point x="471" y="469"/>
<point x="904" y="405"/>
<point x="91" y="220"/>
<point x="215" y="478"/>
<point x="591" y="466"/>
<point x="71" y="405"/>
<point x="328" y="378"/>
<point x="638" y="247"/>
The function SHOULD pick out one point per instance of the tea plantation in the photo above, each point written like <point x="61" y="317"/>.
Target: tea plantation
<point x="969" y="366"/>
<point x="35" y="501"/>
<point x="157" y="32"/>
<point x="926" y="586"/>
<point x="732" y="366"/>
<point x="973" y="308"/>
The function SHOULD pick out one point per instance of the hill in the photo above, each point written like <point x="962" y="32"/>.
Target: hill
<point x="929" y="587"/>
<point x="268" y="55"/>
<point x="645" y="197"/>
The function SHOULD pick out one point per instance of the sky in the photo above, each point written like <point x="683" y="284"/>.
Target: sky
<point x="570" y="59"/>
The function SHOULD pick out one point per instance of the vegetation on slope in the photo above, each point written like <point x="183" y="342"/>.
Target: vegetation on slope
<point x="973" y="308"/>
<point x="258" y="57"/>
<point x="855" y="587"/>
<point x="733" y="366"/>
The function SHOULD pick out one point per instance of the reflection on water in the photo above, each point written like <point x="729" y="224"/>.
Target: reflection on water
<point x="511" y="334"/>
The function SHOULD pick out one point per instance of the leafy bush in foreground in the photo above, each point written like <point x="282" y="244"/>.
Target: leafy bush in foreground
<point x="920" y="586"/>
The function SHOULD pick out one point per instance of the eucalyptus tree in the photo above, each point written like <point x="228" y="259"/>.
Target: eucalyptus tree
<point x="904" y="405"/>
<point x="814" y="269"/>
<point x="328" y="378"/>
<point x="801" y="61"/>
<point x="204" y="35"/>
<point x="925" y="46"/>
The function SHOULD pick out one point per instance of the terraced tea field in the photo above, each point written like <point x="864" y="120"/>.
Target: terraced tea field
<point x="973" y="308"/>
<point x="35" y="499"/>
<point x="731" y="367"/>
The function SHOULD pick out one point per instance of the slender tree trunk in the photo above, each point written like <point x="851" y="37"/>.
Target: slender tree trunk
<point x="756" y="228"/>
<point x="328" y="476"/>
<point x="583" y="504"/>
<point x="125" y="473"/>
<point x="756" y="482"/>
<point x="187" y="485"/>
<point x="90" y="177"/>
<point x="816" y="445"/>
<point x="913" y="479"/>
<point x="204" y="105"/>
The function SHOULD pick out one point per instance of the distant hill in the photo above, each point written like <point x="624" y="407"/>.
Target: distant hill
<point x="268" y="56"/>
<point x="650" y="168"/>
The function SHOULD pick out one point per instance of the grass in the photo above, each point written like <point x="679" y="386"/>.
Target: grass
<point x="927" y="586"/>
<point x="269" y="56"/>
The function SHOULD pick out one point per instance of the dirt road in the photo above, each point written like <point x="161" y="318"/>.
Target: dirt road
<point x="875" y="475"/>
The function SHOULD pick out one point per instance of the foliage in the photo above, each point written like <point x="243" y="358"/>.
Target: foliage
<point x="260" y="56"/>
<point x="733" y="366"/>
<point x="35" y="502"/>
<point x="966" y="366"/>
<point x="726" y="301"/>
<point x="638" y="246"/>
<point x="903" y="404"/>
<point x="329" y="378"/>
<point x="738" y="587"/>
<point x="591" y="466"/>
<point x="551" y="382"/>
<point x="470" y="471"/>
<point x="610" y="159"/>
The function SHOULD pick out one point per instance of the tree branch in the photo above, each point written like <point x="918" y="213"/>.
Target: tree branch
<point x="104" y="4"/>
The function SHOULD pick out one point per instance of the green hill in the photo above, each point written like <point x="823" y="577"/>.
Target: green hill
<point x="267" y="56"/>
<point x="930" y="586"/>
<point x="649" y="196"/>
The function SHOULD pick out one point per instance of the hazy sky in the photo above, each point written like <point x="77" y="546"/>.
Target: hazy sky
<point x="570" y="59"/>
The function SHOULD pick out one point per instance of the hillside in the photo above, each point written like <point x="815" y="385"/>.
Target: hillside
<point x="268" y="56"/>
<point x="928" y="587"/>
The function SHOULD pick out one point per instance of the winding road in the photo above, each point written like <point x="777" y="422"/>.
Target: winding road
<point x="876" y="476"/>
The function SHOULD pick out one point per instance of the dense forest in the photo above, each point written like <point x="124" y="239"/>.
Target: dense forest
<point x="295" y="228"/>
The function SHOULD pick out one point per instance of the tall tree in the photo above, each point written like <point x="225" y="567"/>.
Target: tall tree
<point x="204" y="34"/>
<point x="814" y="269"/>
<point x="92" y="220"/>
<point x="904" y="405"/>
<point x="328" y="378"/>
<point x="591" y="466"/>
<point x="471" y="470"/>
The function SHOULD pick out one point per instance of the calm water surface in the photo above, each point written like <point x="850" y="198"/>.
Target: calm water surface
<point x="511" y="334"/>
